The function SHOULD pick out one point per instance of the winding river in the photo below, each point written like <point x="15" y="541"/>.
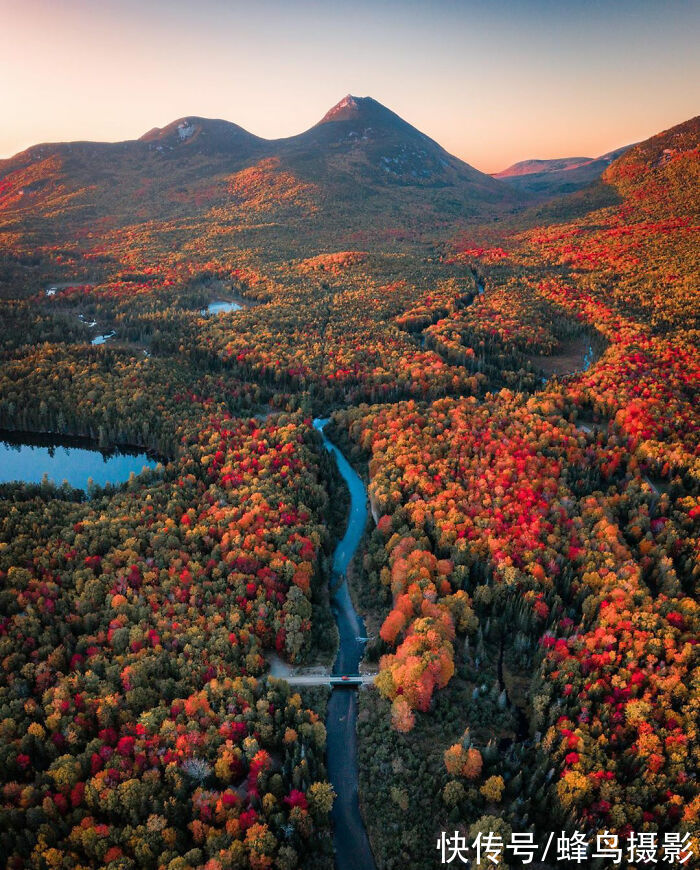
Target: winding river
<point x="352" y="849"/>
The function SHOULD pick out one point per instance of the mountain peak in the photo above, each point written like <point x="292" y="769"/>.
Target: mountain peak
<point x="347" y="109"/>
<point x="367" y="116"/>
<point x="362" y="109"/>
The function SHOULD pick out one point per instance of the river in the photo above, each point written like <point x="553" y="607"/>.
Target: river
<point x="352" y="849"/>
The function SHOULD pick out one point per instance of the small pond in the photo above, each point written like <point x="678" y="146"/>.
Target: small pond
<point x="101" y="339"/>
<point x="221" y="307"/>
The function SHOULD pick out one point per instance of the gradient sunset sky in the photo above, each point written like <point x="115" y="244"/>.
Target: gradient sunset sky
<point x="493" y="81"/>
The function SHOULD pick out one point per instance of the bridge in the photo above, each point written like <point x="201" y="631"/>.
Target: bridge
<point x="351" y="680"/>
<point x="314" y="676"/>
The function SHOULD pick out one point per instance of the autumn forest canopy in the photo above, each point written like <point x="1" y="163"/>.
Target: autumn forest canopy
<point x="512" y="370"/>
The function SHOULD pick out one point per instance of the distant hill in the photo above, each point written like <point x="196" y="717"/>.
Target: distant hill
<point x="532" y="167"/>
<point x="562" y="175"/>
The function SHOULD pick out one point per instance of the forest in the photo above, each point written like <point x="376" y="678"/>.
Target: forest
<point x="520" y="396"/>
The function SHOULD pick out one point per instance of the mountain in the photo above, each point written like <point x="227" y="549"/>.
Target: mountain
<point x="561" y="175"/>
<point x="360" y="166"/>
<point x="362" y="136"/>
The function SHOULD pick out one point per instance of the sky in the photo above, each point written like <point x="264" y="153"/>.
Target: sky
<point x="493" y="81"/>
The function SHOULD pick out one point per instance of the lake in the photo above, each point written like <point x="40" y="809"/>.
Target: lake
<point x="28" y="458"/>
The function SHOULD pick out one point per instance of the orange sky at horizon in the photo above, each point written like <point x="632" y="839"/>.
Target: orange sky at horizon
<point x="492" y="82"/>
